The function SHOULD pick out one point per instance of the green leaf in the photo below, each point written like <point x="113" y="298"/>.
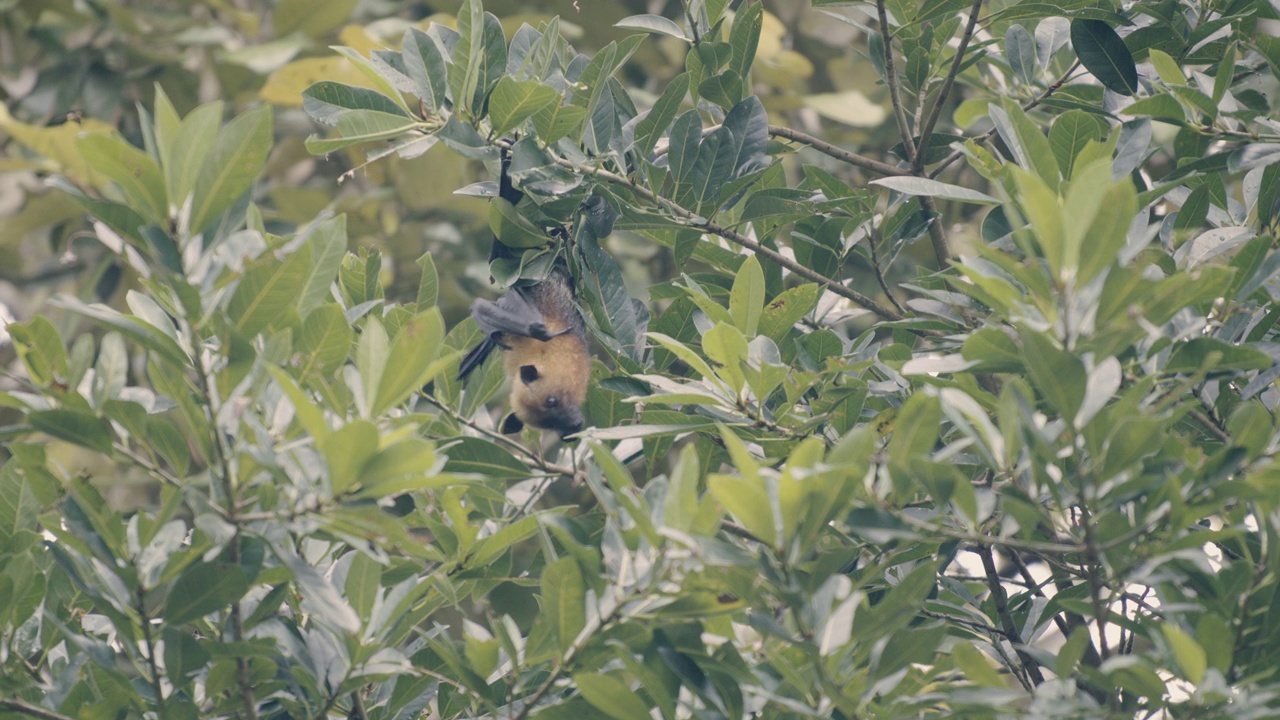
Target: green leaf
<point x="1039" y="204"/>
<point x="680" y="506"/>
<point x="131" y="169"/>
<point x="1020" y="49"/>
<point x="265" y="293"/>
<point x="512" y="228"/>
<point x="975" y="665"/>
<point x="1058" y="375"/>
<point x="326" y="101"/>
<point x="413" y="359"/>
<point x="426" y="67"/>
<point x="564" y="600"/>
<point x="1106" y="236"/>
<point x="1167" y="68"/>
<point x="321" y="257"/>
<point x="361" y="126"/>
<point x="746" y="299"/>
<point x="651" y="127"/>
<point x="325" y="341"/>
<point x="80" y="427"/>
<point x="371" y="360"/>
<point x="744" y="37"/>
<point x="1206" y="353"/>
<point x="363" y="578"/>
<point x="237" y="156"/>
<point x="611" y="696"/>
<point x="41" y="349"/>
<point x="165" y="437"/>
<point x="319" y="596"/>
<point x="1190" y="656"/>
<point x="1069" y="134"/>
<point x="136" y="330"/>
<point x="556" y="121"/>
<point x="308" y="415"/>
<point x="785" y="310"/>
<point x="1037" y="155"/>
<point x="514" y="101"/>
<point x="410" y="464"/>
<point x="374" y="72"/>
<point x="652" y="23"/>
<point x="1159" y="107"/>
<point x="18" y="505"/>
<point x="184" y="151"/>
<point x="1071" y="652"/>
<point x="932" y="188"/>
<point x="468" y="57"/>
<point x="204" y="589"/>
<point x="429" y="285"/>
<point x="346" y="451"/>
<point x="1104" y="54"/>
<point x="482" y="457"/>
<point x="749" y="124"/>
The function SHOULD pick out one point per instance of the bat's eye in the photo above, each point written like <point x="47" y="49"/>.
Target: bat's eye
<point x="553" y="401"/>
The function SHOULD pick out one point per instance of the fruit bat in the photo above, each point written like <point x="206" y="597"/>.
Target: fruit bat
<point x="545" y="343"/>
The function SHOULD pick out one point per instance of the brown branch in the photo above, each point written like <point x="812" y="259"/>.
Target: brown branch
<point x="891" y="79"/>
<point x="1057" y="84"/>
<point x="837" y="152"/>
<point x="931" y="119"/>
<point x="26" y="708"/>
<point x="700" y="223"/>
<point x="512" y="444"/>
<point x="875" y="265"/>
<point x="1001" y="602"/>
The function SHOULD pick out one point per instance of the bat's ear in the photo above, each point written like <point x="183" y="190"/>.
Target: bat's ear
<point x="511" y="424"/>
<point x="528" y="373"/>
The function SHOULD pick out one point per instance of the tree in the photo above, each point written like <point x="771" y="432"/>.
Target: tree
<point x="858" y="463"/>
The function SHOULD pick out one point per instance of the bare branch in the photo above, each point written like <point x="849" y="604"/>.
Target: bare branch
<point x="837" y="152"/>
<point x="891" y="78"/>
<point x="932" y="118"/>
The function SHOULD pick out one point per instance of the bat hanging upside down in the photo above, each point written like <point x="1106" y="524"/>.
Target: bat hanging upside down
<point x="545" y="341"/>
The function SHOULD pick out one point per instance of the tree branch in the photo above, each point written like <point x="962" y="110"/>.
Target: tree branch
<point x="700" y="223"/>
<point x="1006" y="619"/>
<point x="931" y="119"/>
<point x="837" y="152"/>
<point x="891" y="79"/>
<point x="26" y="708"/>
<point x="1057" y="84"/>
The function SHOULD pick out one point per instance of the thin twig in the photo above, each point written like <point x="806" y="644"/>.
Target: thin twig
<point x="700" y="223"/>
<point x="511" y="444"/>
<point x="891" y="79"/>
<point x="1057" y="84"/>
<point x="26" y="708"/>
<point x="1100" y="610"/>
<point x="875" y="265"/>
<point x="837" y="152"/>
<point x="1006" y="619"/>
<point x="937" y="235"/>
<point x="931" y="119"/>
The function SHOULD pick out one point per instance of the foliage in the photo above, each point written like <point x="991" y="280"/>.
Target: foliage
<point x="980" y="425"/>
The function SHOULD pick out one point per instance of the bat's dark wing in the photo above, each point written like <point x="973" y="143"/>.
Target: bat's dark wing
<point x="515" y="313"/>
<point x="476" y="357"/>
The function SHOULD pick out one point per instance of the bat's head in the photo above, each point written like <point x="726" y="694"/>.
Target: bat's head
<point x="550" y="397"/>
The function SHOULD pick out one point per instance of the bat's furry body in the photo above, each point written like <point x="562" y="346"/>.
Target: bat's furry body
<point x="545" y="340"/>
